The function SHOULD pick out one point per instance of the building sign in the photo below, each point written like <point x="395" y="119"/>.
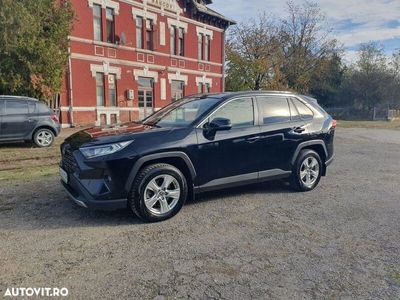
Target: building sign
<point x="171" y="5"/>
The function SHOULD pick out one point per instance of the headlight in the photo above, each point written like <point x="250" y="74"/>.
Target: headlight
<point x="90" y="152"/>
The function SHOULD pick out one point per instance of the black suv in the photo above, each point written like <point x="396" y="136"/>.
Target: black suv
<point x="28" y="119"/>
<point x="197" y="144"/>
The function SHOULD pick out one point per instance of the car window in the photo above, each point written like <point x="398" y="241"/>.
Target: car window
<point x="274" y="110"/>
<point x="1" y="107"/>
<point x="31" y="107"/>
<point x="305" y="112"/>
<point x="295" y="116"/>
<point x="15" y="107"/>
<point x="240" y="112"/>
<point x="43" y="108"/>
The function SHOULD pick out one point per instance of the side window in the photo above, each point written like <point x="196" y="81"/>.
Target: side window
<point x="304" y="111"/>
<point x="43" y="108"/>
<point x="31" y="107"/>
<point x="274" y="110"/>
<point x="295" y="116"/>
<point x="239" y="111"/>
<point x="1" y="107"/>
<point x="16" y="107"/>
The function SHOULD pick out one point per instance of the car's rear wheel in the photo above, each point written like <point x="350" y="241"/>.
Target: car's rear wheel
<point x="43" y="137"/>
<point x="307" y="171"/>
<point x="158" y="193"/>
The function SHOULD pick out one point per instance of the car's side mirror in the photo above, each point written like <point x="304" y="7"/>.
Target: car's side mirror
<point x="220" y="124"/>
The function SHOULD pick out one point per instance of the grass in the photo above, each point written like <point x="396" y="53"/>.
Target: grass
<point x="395" y="125"/>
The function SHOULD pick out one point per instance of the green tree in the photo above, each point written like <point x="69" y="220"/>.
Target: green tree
<point x="33" y="46"/>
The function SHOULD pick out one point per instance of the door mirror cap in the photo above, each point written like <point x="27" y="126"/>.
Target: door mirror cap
<point x="219" y="124"/>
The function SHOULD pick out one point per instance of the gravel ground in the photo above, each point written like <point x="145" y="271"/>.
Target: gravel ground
<point x="341" y="241"/>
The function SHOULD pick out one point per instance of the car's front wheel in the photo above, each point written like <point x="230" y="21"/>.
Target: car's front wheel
<point x="43" y="137"/>
<point x="307" y="171"/>
<point x="158" y="193"/>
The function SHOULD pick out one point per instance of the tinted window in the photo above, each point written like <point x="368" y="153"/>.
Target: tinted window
<point x="239" y="111"/>
<point x="14" y="107"/>
<point x="274" y="110"/>
<point x="43" y="108"/>
<point x="295" y="116"/>
<point x="31" y="107"/>
<point x="304" y="111"/>
<point x="1" y="107"/>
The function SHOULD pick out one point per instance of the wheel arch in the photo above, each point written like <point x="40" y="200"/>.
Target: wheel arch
<point x="43" y="127"/>
<point x="177" y="159"/>
<point x="316" y="145"/>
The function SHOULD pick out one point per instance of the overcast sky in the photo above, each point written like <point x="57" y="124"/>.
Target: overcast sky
<point x="354" y="21"/>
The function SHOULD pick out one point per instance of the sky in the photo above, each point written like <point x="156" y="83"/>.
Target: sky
<point x="354" y="22"/>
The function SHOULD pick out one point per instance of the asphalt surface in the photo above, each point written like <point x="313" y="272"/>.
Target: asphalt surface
<point x="341" y="241"/>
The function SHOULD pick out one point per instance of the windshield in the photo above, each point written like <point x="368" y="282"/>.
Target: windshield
<point x="181" y="113"/>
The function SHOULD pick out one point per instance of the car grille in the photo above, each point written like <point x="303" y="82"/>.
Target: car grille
<point x="69" y="163"/>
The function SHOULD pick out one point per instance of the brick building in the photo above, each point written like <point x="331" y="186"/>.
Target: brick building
<point x="131" y="57"/>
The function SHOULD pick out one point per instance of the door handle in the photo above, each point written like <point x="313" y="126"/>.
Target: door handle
<point x="299" y="129"/>
<point x="253" y="139"/>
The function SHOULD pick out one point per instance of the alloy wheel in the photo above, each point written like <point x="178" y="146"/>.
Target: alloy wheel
<point x="309" y="171"/>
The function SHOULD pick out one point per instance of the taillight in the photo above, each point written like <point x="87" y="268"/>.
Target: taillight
<point x="54" y="118"/>
<point x="334" y="123"/>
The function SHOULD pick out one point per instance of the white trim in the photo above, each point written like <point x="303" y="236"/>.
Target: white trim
<point x="177" y="24"/>
<point x="204" y="31"/>
<point x="204" y="80"/>
<point x="144" y="14"/>
<point x="177" y="76"/>
<point x="93" y="58"/>
<point x="163" y="82"/>
<point x="173" y="5"/>
<point x="92" y="42"/>
<point x="163" y="36"/>
<point x="106" y="69"/>
<point x="145" y="73"/>
<point x="106" y="3"/>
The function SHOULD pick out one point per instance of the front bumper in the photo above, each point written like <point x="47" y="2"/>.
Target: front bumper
<point x="77" y="192"/>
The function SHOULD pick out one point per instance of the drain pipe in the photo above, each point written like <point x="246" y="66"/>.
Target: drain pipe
<point x="71" y="95"/>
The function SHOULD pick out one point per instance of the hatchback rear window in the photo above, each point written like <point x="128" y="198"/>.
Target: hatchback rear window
<point x="43" y="108"/>
<point x="304" y="112"/>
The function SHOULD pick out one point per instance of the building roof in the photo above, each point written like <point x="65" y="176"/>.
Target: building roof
<point x="203" y="8"/>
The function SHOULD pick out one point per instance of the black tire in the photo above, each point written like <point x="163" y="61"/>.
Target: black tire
<point x="40" y="134"/>
<point x="296" y="181"/>
<point x="136" y="198"/>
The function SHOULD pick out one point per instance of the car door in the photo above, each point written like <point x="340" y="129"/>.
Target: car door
<point x="280" y="135"/>
<point x="15" y="120"/>
<point x="230" y="155"/>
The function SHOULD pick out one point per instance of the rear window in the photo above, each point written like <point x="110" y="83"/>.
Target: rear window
<point x="274" y="110"/>
<point x="304" y="112"/>
<point x="31" y="107"/>
<point x="15" y="107"/>
<point x="43" y="108"/>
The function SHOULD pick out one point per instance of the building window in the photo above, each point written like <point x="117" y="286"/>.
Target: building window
<point x="207" y="88"/>
<point x="100" y="89"/>
<point x="98" y="36"/>
<point x="177" y="89"/>
<point x="181" y="42"/>
<point x="204" y="47"/>
<point x="173" y="40"/>
<point x="145" y="95"/>
<point x="149" y="34"/>
<point x="139" y="32"/>
<point x="110" y="25"/>
<point x="200" y="88"/>
<point x="207" y="47"/>
<point x="112" y="90"/>
<point x="200" y="47"/>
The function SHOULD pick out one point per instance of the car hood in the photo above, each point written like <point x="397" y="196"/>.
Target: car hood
<point x="109" y="134"/>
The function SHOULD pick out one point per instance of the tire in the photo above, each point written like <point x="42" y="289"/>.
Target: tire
<point x="307" y="171"/>
<point x="43" y="138"/>
<point x="158" y="193"/>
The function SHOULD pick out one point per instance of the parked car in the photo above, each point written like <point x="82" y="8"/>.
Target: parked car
<point x="27" y="119"/>
<point x="197" y="144"/>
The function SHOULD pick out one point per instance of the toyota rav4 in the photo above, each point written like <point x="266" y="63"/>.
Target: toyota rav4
<point x="197" y="144"/>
